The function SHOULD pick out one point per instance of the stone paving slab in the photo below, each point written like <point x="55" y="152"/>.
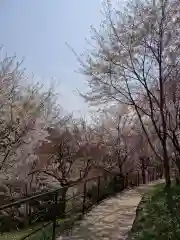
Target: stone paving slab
<point x="111" y="219"/>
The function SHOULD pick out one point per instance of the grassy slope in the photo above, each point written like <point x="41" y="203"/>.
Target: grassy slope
<point x="158" y="215"/>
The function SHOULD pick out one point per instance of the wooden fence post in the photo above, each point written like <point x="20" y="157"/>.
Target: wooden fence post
<point x="155" y="173"/>
<point x="29" y="212"/>
<point x="149" y="175"/>
<point x="84" y="198"/>
<point x="126" y="181"/>
<point x="98" y="187"/>
<point x="54" y="219"/>
<point x="138" y="179"/>
<point x="62" y="204"/>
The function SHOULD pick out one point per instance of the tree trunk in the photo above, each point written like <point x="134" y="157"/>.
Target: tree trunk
<point x="143" y="170"/>
<point x="177" y="173"/>
<point x="166" y="167"/>
<point x="178" y="165"/>
<point x="144" y="176"/>
<point x="162" y="107"/>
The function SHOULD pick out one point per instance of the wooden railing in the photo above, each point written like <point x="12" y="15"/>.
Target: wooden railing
<point x="49" y="214"/>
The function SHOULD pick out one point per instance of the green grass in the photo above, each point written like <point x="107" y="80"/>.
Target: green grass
<point x="158" y="215"/>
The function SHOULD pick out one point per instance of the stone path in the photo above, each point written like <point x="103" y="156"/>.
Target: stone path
<point x="112" y="218"/>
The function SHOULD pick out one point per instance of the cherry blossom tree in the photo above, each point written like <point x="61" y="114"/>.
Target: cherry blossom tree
<point x="24" y="115"/>
<point x="135" y="52"/>
<point x="114" y="129"/>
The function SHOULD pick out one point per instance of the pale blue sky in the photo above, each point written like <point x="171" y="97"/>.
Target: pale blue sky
<point x="38" y="30"/>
